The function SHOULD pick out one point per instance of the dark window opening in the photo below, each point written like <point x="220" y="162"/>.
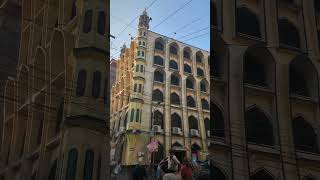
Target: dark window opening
<point x="81" y="83"/>
<point x="173" y="64"/>
<point x="288" y="34"/>
<point x="158" y="60"/>
<point x="157" y="96"/>
<point x="304" y="136"/>
<point x="176" y="120"/>
<point x="96" y="84"/>
<point x="174" y="99"/>
<point x="158" y="76"/>
<point x="191" y="102"/>
<point x="87" y="21"/>
<point x="254" y="71"/>
<point x="259" y="129"/>
<point x="247" y="23"/>
<point x="187" y="68"/>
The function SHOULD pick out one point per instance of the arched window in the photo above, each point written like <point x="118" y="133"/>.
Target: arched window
<point x="259" y="129"/>
<point x="158" y="155"/>
<point x="304" y="136"/>
<point x="96" y="84"/>
<point x="88" y="165"/>
<point x="175" y="80"/>
<point x="247" y="23"/>
<point x="217" y="122"/>
<point x="176" y="120"/>
<point x="101" y="23"/>
<point x="191" y="102"/>
<point x="302" y="76"/>
<point x="205" y="104"/>
<point x="173" y="64"/>
<point x="132" y="115"/>
<point x="189" y="83"/>
<point x="254" y="71"/>
<point x="158" y="118"/>
<point x="157" y="96"/>
<point x="187" y="53"/>
<point x="159" y="46"/>
<point x="203" y="86"/>
<point x="73" y="10"/>
<point x="199" y="57"/>
<point x="262" y="175"/>
<point x="174" y="99"/>
<point x="216" y="173"/>
<point x="193" y="122"/>
<point x="87" y="21"/>
<point x="72" y="164"/>
<point x="288" y="34"/>
<point x="81" y="83"/>
<point x="187" y="68"/>
<point x="158" y="60"/>
<point x="200" y="72"/>
<point x="53" y="169"/>
<point x="173" y="50"/>
<point x="158" y="76"/>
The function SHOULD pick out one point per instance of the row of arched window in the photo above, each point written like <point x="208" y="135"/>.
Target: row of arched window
<point x="175" y="80"/>
<point x="259" y="69"/>
<point x="72" y="166"/>
<point x="248" y="24"/>
<point x="101" y="23"/>
<point x="174" y="65"/>
<point x="174" y="50"/>
<point x="157" y="96"/>
<point x="260" y="129"/>
<point x="158" y="119"/>
<point x="82" y="80"/>
<point x="135" y="115"/>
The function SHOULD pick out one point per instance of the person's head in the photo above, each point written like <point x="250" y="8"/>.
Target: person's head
<point x="171" y="152"/>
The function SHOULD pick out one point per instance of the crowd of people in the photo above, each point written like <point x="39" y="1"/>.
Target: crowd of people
<point x="170" y="168"/>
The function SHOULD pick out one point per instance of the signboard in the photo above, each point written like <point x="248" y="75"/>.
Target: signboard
<point x="153" y="146"/>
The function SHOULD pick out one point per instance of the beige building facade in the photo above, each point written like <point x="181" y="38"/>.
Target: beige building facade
<point x="54" y="119"/>
<point x="162" y="87"/>
<point x="265" y="89"/>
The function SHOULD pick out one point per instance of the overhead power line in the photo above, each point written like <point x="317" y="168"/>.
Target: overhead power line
<point x="172" y="14"/>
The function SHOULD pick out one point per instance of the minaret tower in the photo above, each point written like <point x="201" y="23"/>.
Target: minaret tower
<point x="134" y="127"/>
<point x="136" y="99"/>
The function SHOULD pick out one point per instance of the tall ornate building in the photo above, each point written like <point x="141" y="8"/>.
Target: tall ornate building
<point x="54" y="118"/>
<point x="162" y="86"/>
<point x="265" y="89"/>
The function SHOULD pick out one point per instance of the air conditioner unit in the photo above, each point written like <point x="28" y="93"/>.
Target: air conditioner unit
<point x="176" y="130"/>
<point x="157" y="129"/>
<point x="194" y="132"/>
<point x="208" y="133"/>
